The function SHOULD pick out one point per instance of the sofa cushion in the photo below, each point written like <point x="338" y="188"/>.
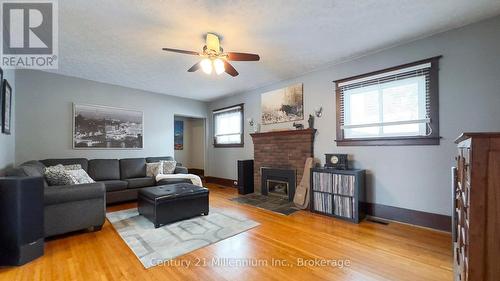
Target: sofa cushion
<point x="33" y="168"/>
<point x="140" y="182"/>
<point x="66" y="161"/>
<point x="132" y="168"/>
<point x="181" y="170"/>
<point x="158" y="159"/>
<point x="70" y="193"/>
<point x="104" y="169"/>
<point x="114" y="185"/>
<point x="28" y="169"/>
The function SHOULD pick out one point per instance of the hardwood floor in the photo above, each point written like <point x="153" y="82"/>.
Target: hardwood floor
<point x="375" y="251"/>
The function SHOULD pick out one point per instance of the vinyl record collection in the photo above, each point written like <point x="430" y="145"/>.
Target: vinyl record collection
<point x="323" y="202"/>
<point x="322" y="182"/>
<point x="344" y="184"/>
<point x="344" y="206"/>
<point x="336" y="193"/>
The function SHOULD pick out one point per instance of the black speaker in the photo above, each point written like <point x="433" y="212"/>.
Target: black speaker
<point x="21" y="220"/>
<point x="245" y="176"/>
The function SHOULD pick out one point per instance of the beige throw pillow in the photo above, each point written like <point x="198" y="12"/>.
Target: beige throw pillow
<point x="154" y="169"/>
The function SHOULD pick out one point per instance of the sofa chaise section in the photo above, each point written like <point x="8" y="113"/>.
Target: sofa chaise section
<point x="71" y="208"/>
<point x="67" y="208"/>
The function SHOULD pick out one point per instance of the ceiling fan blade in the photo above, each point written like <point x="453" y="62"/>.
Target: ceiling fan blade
<point x="213" y="42"/>
<point x="181" y="51"/>
<point x="242" y="57"/>
<point x="230" y="69"/>
<point x="194" y="67"/>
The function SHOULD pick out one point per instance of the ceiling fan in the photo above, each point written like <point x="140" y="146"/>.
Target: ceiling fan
<point x="214" y="57"/>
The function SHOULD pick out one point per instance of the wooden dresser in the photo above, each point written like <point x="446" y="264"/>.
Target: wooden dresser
<point x="476" y="203"/>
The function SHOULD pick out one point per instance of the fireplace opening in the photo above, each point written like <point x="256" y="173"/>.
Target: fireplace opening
<point x="277" y="188"/>
<point x="278" y="182"/>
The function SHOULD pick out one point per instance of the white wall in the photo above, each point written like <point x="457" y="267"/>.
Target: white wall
<point x="193" y="154"/>
<point x="44" y="116"/>
<point x="7" y="142"/>
<point x="411" y="177"/>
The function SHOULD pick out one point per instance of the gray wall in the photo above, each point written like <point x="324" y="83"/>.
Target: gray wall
<point x="7" y="142"/>
<point x="193" y="154"/>
<point x="412" y="177"/>
<point x="44" y="116"/>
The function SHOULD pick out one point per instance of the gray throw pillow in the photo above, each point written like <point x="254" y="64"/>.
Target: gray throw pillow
<point x="169" y="166"/>
<point x="57" y="175"/>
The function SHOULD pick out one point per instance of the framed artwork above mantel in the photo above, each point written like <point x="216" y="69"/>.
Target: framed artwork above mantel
<point x="283" y="105"/>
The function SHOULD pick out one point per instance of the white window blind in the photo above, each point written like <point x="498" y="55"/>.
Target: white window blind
<point x="391" y="104"/>
<point x="228" y="125"/>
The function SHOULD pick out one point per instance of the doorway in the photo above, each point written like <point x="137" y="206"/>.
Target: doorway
<point x="189" y="143"/>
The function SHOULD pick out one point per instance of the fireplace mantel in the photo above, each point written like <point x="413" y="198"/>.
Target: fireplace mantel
<point x="282" y="149"/>
<point x="284" y="132"/>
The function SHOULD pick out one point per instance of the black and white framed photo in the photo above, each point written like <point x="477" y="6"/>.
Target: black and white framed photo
<point x="105" y="127"/>
<point x="6" y="107"/>
<point x="283" y="105"/>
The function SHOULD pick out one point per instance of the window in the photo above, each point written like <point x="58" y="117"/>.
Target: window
<point x="228" y="126"/>
<point x="397" y="106"/>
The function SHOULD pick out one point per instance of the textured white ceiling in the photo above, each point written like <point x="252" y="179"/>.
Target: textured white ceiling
<point x="119" y="41"/>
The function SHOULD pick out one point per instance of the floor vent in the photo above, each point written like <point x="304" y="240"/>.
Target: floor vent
<point x="379" y="221"/>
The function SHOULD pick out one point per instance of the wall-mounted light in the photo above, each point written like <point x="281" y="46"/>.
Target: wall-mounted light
<point x="318" y="111"/>
<point x="250" y="122"/>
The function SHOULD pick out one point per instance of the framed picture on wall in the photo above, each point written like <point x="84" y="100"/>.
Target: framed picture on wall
<point x="283" y="105"/>
<point x="105" y="127"/>
<point x="178" y="135"/>
<point x="6" y="107"/>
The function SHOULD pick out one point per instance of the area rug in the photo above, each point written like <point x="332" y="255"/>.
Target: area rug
<point x="271" y="203"/>
<point x="154" y="246"/>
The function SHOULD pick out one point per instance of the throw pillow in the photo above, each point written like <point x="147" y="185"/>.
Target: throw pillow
<point x="154" y="169"/>
<point x="73" y="167"/>
<point x="57" y="175"/>
<point x="169" y="166"/>
<point x="80" y="176"/>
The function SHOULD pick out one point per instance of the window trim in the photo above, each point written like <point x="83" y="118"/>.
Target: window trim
<point x="432" y="139"/>
<point x="242" y="143"/>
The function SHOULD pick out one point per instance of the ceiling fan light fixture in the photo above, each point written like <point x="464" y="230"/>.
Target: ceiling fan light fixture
<point x="206" y="65"/>
<point x="219" y="66"/>
<point x="214" y="57"/>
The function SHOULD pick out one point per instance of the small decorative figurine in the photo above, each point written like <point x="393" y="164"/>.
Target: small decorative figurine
<point x="311" y="121"/>
<point x="298" y="126"/>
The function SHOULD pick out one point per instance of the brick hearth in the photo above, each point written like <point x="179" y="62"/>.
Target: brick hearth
<point x="282" y="149"/>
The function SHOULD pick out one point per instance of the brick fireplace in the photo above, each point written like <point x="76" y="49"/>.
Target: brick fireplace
<point x="282" y="150"/>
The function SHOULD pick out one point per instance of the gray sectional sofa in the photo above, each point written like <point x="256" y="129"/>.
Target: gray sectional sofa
<point x="76" y="207"/>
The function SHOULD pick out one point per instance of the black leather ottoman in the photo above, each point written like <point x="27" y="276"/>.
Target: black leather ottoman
<point x="169" y="203"/>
